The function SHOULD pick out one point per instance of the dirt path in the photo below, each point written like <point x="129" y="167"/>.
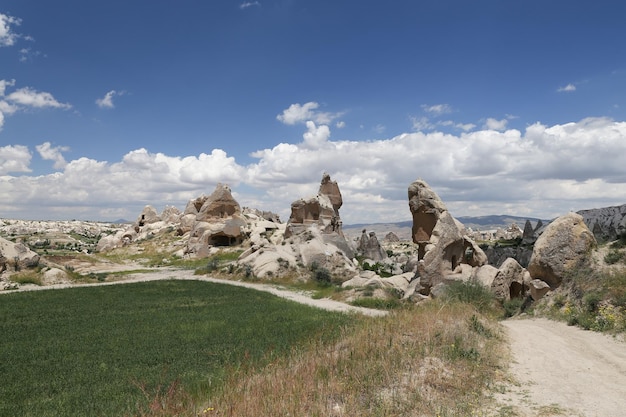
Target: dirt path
<point x="561" y="370"/>
<point x="181" y="274"/>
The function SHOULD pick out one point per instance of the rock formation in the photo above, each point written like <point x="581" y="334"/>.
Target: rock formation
<point x="607" y="223"/>
<point x="391" y="237"/>
<point x="511" y="281"/>
<point x="219" y="222"/>
<point x="370" y="248"/>
<point x="564" y="246"/>
<point x="148" y="215"/>
<point x="321" y="210"/>
<point x="529" y="236"/>
<point x="16" y="256"/>
<point x="312" y="238"/>
<point x="442" y="245"/>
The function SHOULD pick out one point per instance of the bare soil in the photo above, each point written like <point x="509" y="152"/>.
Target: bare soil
<point x="559" y="370"/>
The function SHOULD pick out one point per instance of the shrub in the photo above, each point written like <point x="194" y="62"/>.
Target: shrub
<point x="512" y="306"/>
<point x="321" y="275"/>
<point x="471" y="292"/>
<point x="613" y="257"/>
<point x="591" y="301"/>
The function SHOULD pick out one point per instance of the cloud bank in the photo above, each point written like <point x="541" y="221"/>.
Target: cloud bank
<point x="542" y="171"/>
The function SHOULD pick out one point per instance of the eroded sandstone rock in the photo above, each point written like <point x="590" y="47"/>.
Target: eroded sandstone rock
<point x="564" y="246"/>
<point x="16" y="256"/>
<point x="219" y="222"/>
<point x="442" y="244"/>
<point x="321" y="210"/>
<point x="370" y="248"/>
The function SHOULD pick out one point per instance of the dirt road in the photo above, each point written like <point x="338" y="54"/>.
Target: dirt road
<point x="564" y="371"/>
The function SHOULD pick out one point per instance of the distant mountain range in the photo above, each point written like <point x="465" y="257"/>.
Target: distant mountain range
<point x="403" y="229"/>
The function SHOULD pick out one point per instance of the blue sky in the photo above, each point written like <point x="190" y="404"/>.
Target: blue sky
<point x="503" y="107"/>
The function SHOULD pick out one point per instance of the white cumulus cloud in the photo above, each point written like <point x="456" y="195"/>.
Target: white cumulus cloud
<point x="302" y="113"/>
<point x="14" y="158"/>
<point x="106" y="102"/>
<point x="32" y="98"/>
<point x="539" y="171"/>
<point x="437" y="109"/>
<point x="50" y="153"/>
<point x="23" y="99"/>
<point x="8" y="36"/>
<point x="495" y="124"/>
<point x="567" y="89"/>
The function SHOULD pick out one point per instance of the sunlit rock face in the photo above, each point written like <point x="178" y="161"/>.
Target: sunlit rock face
<point x="442" y="244"/>
<point x="219" y="222"/>
<point x="607" y="223"/>
<point x="312" y="238"/>
<point x="321" y="210"/>
<point x="563" y="247"/>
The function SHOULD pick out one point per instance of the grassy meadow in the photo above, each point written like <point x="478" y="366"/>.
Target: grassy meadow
<point x="131" y="349"/>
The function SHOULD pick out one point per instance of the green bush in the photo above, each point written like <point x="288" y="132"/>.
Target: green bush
<point x="591" y="301"/>
<point x="321" y="275"/>
<point x="512" y="306"/>
<point x="613" y="257"/>
<point x="473" y="293"/>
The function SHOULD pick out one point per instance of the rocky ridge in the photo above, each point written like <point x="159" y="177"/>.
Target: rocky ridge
<point x="312" y="245"/>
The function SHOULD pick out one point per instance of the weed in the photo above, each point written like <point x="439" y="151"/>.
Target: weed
<point x="473" y="293"/>
<point x="377" y="303"/>
<point x="512" y="306"/>
<point x="27" y="277"/>
<point x="613" y="256"/>
<point x="476" y="325"/>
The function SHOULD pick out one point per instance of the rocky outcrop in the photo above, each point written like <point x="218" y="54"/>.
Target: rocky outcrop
<point x="219" y="222"/>
<point x="369" y="247"/>
<point x="16" y="256"/>
<point x="391" y="237"/>
<point x="498" y="254"/>
<point x="530" y="234"/>
<point x="148" y="215"/>
<point x="511" y="281"/>
<point x="312" y="239"/>
<point x="442" y="244"/>
<point x="564" y="246"/>
<point x="321" y="210"/>
<point x="606" y="223"/>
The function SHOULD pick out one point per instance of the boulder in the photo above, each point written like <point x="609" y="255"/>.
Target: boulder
<point x="538" y="289"/>
<point x="16" y="256"/>
<point x="148" y="215"/>
<point x="510" y="281"/>
<point x="53" y="276"/>
<point x="171" y="214"/>
<point x="564" y="246"/>
<point x="485" y="274"/>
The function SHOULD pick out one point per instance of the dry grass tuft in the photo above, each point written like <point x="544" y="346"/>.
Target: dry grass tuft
<point x="432" y="360"/>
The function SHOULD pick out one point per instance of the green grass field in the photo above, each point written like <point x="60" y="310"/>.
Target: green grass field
<point x="109" y="351"/>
